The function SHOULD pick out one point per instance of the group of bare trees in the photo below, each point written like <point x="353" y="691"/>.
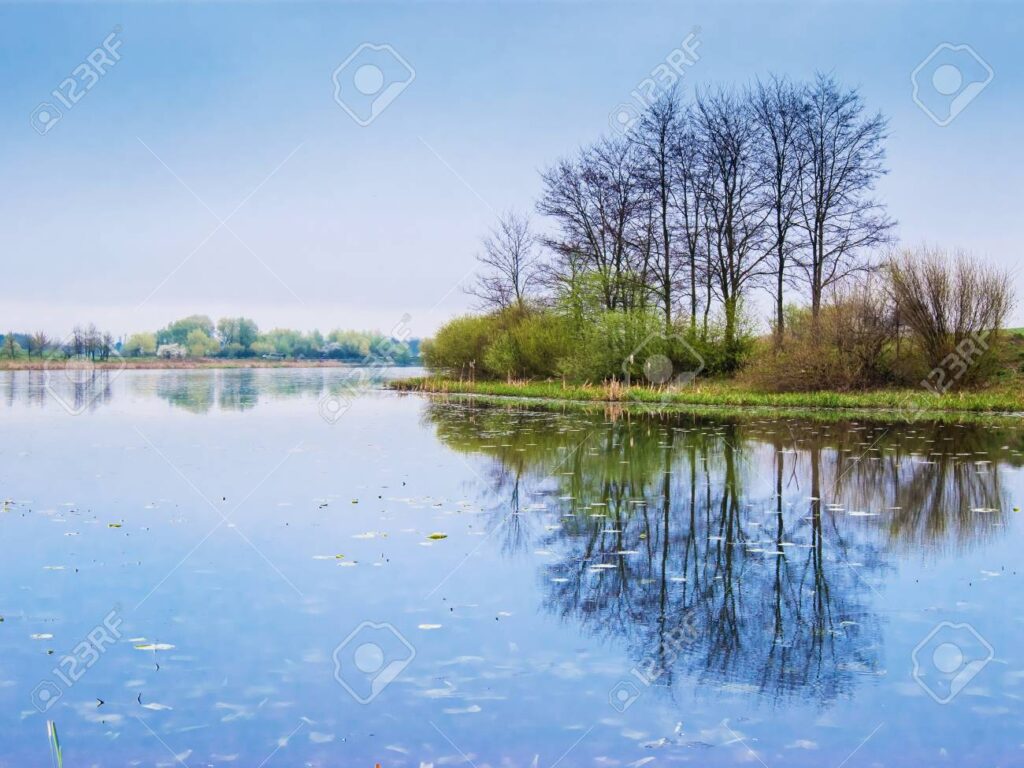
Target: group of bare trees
<point x="89" y="342"/>
<point x="703" y="201"/>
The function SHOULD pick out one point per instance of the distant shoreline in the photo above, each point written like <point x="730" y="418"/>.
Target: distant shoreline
<point x="143" y="364"/>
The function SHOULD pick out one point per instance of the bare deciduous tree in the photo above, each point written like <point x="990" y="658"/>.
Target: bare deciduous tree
<point x="735" y="200"/>
<point x="841" y="153"/>
<point x="38" y="342"/>
<point x="778" y="109"/>
<point x="657" y="135"/>
<point x="689" y="185"/>
<point x="510" y="260"/>
<point x="598" y="201"/>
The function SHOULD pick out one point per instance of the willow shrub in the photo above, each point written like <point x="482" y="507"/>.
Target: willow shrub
<point x="460" y="344"/>
<point x="594" y="346"/>
<point x="531" y="344"/>
<point x="617" y="345"/>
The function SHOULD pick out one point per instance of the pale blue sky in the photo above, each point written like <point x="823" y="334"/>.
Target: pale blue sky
<point x="361" y="225"/>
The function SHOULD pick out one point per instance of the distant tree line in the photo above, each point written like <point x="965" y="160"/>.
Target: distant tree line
<point x="231" y="337"/>
<point x="654" y="242"/>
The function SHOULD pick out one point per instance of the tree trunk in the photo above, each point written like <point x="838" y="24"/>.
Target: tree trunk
<point x="731" y="353"/>
<point x="780" y="314"/>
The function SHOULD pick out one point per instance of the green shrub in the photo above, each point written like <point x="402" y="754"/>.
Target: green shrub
<point x="459" y="345"/>
<point x="589" y="345"/>
<point x="611" y="344"/>
<point x="532" y="345"/>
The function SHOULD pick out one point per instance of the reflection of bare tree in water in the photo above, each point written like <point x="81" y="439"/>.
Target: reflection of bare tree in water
<point x="939" y="487"/>
<point x="77" y="389"/>
<point x="755" y="541"/>
<point x="530" y="454"/>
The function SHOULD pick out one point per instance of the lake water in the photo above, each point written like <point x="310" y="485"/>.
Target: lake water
<point x="254" y="568"/>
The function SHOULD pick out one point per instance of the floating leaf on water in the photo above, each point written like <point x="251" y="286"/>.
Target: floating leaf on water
<point x="437" y="536"/>
<point x="113" y="525"/>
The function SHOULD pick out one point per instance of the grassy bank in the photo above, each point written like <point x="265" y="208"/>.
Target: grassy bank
<point x="731" y="395"/>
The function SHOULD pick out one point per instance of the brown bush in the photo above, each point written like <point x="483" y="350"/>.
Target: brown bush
<point x="955" y="308"/>
<point x="850" y="346"/>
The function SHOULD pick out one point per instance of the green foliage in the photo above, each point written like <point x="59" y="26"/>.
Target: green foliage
<point x="348" y="344"/>
<point x="365" y="346"/>
<point x="237" y="332"/>
<point x="533" y="344"/>
<point x="178" y="331"/>
<point x="234" y="349"/>
<point x="610" y="345"/>
<point x="140" y="344"/>
<point x="262" y="347"/>
<point x="11" y="348"/>
<point x="232" y="337"/>
<point x="577" y="342"/>
<point x="200" y="344"/>
<point x="461" y="344"/>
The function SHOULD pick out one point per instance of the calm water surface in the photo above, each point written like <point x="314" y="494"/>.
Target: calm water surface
<point x="233" y="568"/>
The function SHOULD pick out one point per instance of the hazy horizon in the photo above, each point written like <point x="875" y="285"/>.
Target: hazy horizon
<point x="211" y="170"/>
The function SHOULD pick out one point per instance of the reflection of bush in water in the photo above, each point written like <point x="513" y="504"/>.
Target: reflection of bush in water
<point x="704" y="505"/>
<point x="236" y="389"/>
